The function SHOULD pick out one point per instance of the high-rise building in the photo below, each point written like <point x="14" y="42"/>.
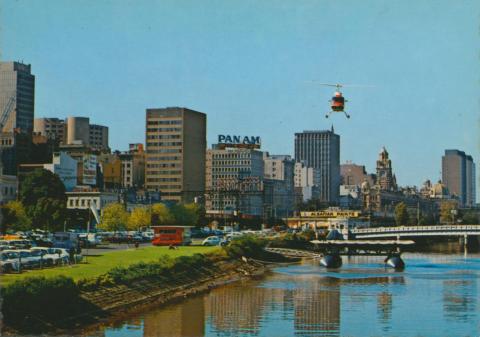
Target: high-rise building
<point x="458" y="175"/>
<point x="98" y="137"/>
<point x="17" y="94"/>
<point x="321" y="150"/>
<point x="279" y="180"/>
<point x="470" y="182"/>
<point x="133" y="166"/>
<point x="74" y="131"/>
<point x="175" y="153"/>
<point x="353" y="174"/>
<point x="52" y="128"/>
<point x="234" y="180"/>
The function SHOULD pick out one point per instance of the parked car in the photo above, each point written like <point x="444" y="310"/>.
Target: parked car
<point x="5" y="245"/>
<point x="43" y="259"/>
<point x="65" y="240"/>
<point x="21" y="244"/>
<point x="9" y="262"/>
<point x="50" y="256"/>
<point x="91" y="239"/>
<point x="148" y="236"/>
<point x="211" y="241"/>
<point x="62" y="253"/>
<point x="24" y="257"/>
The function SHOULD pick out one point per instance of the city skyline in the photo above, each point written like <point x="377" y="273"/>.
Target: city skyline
<point x="240" y="63"/>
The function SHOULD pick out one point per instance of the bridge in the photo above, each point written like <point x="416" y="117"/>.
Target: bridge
<point x="293" y="252"/>
<point x="413" y="231"/>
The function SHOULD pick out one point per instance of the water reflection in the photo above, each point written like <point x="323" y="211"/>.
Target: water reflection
<point x="187" y="319"/>
<point x="317" y="311"/>
<point x="460" y="299"/>
<point x="230" y="309"/>
<point x="435" y="296"/>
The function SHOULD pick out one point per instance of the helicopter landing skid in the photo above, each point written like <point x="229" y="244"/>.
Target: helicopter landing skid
<point x="328" y="114"/>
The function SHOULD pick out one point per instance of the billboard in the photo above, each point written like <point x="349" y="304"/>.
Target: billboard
<point x="89" y="169"/>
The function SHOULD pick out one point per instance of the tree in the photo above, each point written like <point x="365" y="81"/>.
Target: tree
<point x="14" y="217"/>
<point x="313" y="204"/>
<point x="43" y="195"/>
<point x="446" y="209"/>
<point x="114" y="218"/>
<point x="186" y="215"/>
<point x="401" y="214"/>
<point x="427" y="219"/>
<point x="470" y="217"/>
<point x="161" y="215"/>
<point x="140" y="217"/>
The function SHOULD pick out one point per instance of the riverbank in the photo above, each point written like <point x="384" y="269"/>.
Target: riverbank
<point x="436" y="293"/>
<point x="60" y="305"/>
<point x="125" y="301"/>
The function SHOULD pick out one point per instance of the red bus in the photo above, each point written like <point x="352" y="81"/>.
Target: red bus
<point x="171" y="235"/>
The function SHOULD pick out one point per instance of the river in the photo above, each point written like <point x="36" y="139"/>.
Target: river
<point x="436" y="295"/>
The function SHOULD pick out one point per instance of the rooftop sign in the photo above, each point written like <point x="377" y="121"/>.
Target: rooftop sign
<point x="240" y="141"/>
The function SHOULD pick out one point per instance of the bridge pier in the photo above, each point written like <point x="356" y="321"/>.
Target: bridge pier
<point x="395" y="261"/>
<point x="332" y="260"/>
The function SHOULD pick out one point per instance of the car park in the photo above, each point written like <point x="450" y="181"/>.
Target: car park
<point x="211" y="241"/>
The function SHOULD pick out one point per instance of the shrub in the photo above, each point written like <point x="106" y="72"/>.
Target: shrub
<point x="166" y="268"/>
<point x="30" y="303"/>
<point x="251" y="247"/>
<point x="247" y="245"/>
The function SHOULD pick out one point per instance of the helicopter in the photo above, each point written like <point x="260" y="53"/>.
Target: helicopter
<point x="338" y="101"/>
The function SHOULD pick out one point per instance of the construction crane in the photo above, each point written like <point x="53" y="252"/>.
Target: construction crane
<point x="7" y="111"/>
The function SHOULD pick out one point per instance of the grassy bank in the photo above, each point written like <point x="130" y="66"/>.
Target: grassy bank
<point x="101" y="264"/>
<point x="60" y="299"/>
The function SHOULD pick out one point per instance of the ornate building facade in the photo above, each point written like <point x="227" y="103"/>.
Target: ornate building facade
<point x="386" y="180"/>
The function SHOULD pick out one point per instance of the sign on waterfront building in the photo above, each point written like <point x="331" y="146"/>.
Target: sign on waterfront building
<point x="331" y="214"/>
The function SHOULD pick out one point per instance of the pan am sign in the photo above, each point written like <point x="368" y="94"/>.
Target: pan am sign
<point x="246" y="140"/>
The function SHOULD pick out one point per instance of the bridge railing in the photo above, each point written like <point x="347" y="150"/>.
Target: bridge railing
<point x="452" y="228"/>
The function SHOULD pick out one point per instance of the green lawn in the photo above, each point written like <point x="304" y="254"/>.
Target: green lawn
<point x="100" y="264"/>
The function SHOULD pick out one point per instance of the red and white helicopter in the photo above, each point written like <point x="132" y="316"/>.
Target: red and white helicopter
<point x="337" y="103"/>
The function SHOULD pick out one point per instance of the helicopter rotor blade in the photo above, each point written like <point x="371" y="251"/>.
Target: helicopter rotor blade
<point x="359" y="85"/>
<point x="328" y="84"/>
<point x="340" y="85"/>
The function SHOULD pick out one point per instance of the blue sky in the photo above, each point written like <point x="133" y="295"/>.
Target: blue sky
<point x="249" y="66"/>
